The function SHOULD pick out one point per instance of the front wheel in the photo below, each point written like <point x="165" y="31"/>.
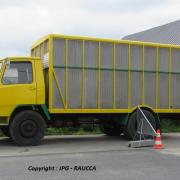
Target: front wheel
<point x="27" y="128"/>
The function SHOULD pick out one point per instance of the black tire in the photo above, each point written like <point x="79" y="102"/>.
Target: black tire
<point x="27" y="128"/>
<point x="5" y="131"/>
<point x="131" y="128"/>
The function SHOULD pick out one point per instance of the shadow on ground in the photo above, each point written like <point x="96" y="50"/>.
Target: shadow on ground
<point x="4" y="141"/>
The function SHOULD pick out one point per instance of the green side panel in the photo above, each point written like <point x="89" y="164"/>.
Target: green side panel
<point x="45" y="110"/>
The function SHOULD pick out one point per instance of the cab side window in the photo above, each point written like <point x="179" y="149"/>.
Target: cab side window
<point x="18" y="73"/>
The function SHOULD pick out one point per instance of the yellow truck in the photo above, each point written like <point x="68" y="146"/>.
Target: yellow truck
<point x="70" y="80"/>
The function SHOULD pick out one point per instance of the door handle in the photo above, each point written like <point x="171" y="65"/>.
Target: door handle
<point x="32" y="88"/>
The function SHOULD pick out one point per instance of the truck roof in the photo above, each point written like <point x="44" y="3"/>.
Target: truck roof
<point x="20" y="58"/>
<point x="46" y="37"/>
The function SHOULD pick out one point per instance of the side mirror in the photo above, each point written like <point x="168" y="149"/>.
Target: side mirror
<point x="10" y="76"/>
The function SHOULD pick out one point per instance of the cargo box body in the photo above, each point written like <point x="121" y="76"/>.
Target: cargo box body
<point x="91" y="75"/>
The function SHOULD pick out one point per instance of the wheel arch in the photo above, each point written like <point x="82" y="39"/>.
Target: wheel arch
<point x="150" y="109"/>
<point x="41" y="109"/>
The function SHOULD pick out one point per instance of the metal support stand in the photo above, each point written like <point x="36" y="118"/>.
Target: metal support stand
<point x="145" y="131"/>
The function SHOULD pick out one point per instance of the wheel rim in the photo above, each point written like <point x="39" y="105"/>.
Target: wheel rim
<point x="28" y="128"/>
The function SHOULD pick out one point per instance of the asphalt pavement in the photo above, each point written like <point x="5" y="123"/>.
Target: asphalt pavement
<point x="89" y="157"/>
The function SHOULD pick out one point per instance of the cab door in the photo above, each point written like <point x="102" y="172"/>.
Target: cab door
<point x="18" y="85"/>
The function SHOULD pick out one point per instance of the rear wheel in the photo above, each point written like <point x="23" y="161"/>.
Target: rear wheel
<point x="5" y="131"/>
<point x="131" y="129"/>
<point x="27" y="128"/>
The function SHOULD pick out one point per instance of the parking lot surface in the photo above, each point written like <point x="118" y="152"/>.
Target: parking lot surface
<point x="89" y="157"/>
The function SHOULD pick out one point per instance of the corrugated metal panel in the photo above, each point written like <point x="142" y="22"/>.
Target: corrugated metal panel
<point x="91" y="76"/>
<point x="176" y="60"/>
<point x="163" y="91"/>
<point x="150" y="89"/>
<point x="136" y="57"/>
<point x="150" y="77"/>
<point x="59" y="52"/>
<point x="121" y="90"/>
<point x="60" y="74"/>
<point x="57" y="101"/>
<point x="91" y="54"/>
<point x="106" y="89"/>
<point x="175" y="97"/>
<point x="163" y="58"/>
<point x="41" y="50"/>
<point x="75" y="88"/>
<point x="75" y="75"/>
<point x="106" y="80"/>
<point x="175" y="79"/>
<point x="163" y="80"/>
<point x="91" y="89"/>
<point x="46" y="46"/>
<point x="38" y="51"/>
<point x="122" y="56"/>
<point x="136" y="89"/>
<point x="106" y="55"/>
<point x="149" y="59"/>
<point x="121" y="77"/>
<point x="59" y="61"/>
<point x="136" y="77"/>
<point x="75" y="53"/>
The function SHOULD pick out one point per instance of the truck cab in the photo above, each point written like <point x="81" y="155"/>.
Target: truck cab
<point x="21" y="90"/>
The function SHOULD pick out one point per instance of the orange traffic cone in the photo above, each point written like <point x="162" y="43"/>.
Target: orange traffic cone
<point x="158" y="143"/>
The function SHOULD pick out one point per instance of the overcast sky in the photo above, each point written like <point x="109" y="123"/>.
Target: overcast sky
<point x="24" y="21"/>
